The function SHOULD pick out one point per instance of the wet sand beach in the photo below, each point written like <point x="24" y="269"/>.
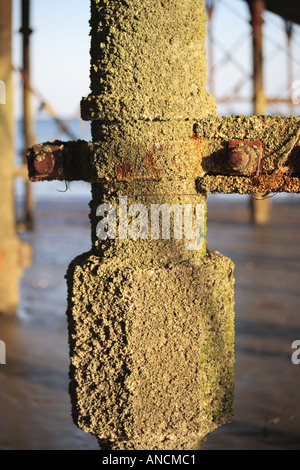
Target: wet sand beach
<point x="35" y="410"/>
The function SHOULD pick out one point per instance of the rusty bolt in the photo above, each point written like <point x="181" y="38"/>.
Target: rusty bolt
<point x="244" y="158"/>
<point x="47" y="161"/>
<point x="44" y="162"/>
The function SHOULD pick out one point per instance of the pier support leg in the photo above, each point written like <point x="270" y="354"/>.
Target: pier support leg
<point x="260" y="207"/>
<point x="14" y="255"/>
<point x="151" y="321"/>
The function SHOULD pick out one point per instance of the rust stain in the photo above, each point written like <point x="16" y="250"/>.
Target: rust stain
<point x="173" y="163"/>
<point x="250" y="143"/>
<point x="196" y="162"/>
<point x="124" y="170"/>
<point x="45" y="166"/>
<point x="275" y="183"/>
<point x="264" y="183"/>
<point x="151" y="159"/>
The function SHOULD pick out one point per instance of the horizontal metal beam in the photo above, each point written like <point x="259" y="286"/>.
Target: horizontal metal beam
<point x="264" y="149"/>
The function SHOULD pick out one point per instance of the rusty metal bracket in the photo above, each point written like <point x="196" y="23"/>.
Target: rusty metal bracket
<point x="62" y="161"/>
<point x="227" y="154"/>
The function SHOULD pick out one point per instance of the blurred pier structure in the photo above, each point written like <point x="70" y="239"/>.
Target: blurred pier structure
<point x="28" y="123"/>
<point x="250" y="85"/>
<point x="28" y="118"/>
<point x="14" y="254"/>
<point x="227" y="56"/>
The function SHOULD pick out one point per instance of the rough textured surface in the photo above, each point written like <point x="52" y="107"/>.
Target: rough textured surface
<point x="150" y="322"/>
<point x="149" y="252"/>
<point x="180" y="150"/>
<point x="279" y="169"/>
<point x="263" y="185"/>
<point x="146" y="377"/>
<point x="148" y="85"/>
<point x="148" y="61"/>
<point x="279" y="137"/>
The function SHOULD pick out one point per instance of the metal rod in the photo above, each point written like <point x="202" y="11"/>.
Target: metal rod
<point x="290" y="75"/>
<point x="260" y="209"/>
<point x="257" y="8"/>
<point x="210" y="13"/>
<point x="27" y="110"/>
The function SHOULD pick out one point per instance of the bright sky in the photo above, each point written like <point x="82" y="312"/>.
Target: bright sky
<point x="60" y="51"/>
<point x="61" y="43"/>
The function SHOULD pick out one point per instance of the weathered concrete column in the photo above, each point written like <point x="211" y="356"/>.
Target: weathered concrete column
<point x="150" y="322"/>
<point x="12" y="251"/>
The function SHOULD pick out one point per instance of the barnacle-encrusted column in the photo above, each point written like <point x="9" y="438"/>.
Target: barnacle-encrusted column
<point x="150" y="320"/>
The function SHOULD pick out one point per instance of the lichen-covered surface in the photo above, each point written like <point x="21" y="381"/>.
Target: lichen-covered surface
<point x="279" y="168"/>
<point x="34" y="403"/>
<point x="152" y="151"/>
<point x="149" y="252"/>
<point x="180" y="150"/>
<point x="150" y="322"/>
<point x="148" y="85"/>
<point x="277" y="134"/>
<point x="145" y="376"/>
<point x="202" y="150"/>
<point x="148" y="61"/>
<point x="264" y="185"/>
